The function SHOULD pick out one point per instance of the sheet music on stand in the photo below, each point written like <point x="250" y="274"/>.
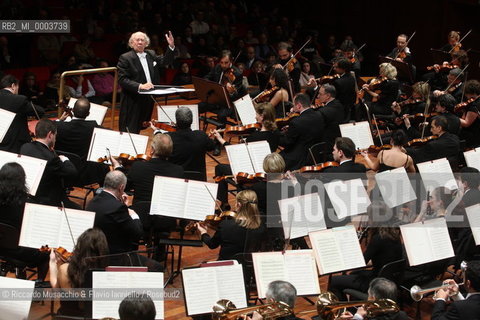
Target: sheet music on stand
<point x="395" y="187"/>
<point x="295" y="266"/>
<point x="472" y="157"/>
<point x="437" y="173"/>
<point x="359" y="132"/>
<point x="180" y="198"/>
<point x="301" y="215"/>
<point x="349" y="198"/>
<point x="117" y="142"/>
<point x="247" y="157"/>
<point x="6" y="119"/>
<point x="203" y="287"/>
<point x="170" y="111"/>
<point x="33" y="168"/>
<point x="246" y="110"/>
<point x="337" y="249"/>
<point x="473" y="214"/>
<point x="97" y="111"/>
<point x="427" y="241"/>
<point x="16" y="308"/>
<point x="118" y="284"/>
<point x="47" y="225"/>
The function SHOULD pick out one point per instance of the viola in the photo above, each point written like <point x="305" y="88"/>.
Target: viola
<point x="170" y="127"/>
<point x="318" y="168"/>
<point x="420" y="142"/>
<point x="265" y="95"/>
<point x="63" y="254"/>
<point x="246" y="129"/>
<point x="211" y="220"/>
<point x="459" y="107"/>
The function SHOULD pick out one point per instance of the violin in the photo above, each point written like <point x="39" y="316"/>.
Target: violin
<point x="318" y="168"/>
<point x="170" y="127"/>
<point x="228" y="78"/>
<point x="372" y="86"/>
<point x="374" y="150"/>
<point x="461" y="106"/>
<point x="443" y="67"/>
<point x="265" y="95"/>
<point x="126" y="159"/>
<point x="211" y="220"/>
<point x="327" y="79"/>
<point x="409" y="101"/>
<point x="282" y="122"/>
<point x="402" y="55"/>
<point x="454" y="87"/>
<point x="290" y="65"/>
<point x="420" y="141"/>
<point x="244" y="177"/>
<point x="63" y="254"/>
<point x="246" y="129"/>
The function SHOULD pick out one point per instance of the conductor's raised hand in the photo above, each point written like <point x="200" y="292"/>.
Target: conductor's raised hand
<point x="170" y="39"/>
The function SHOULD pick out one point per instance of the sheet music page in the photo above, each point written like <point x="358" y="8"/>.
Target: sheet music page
<point x="417" y="243"/>
<point x="395" y="187"/>
<point x="199" y="202"/>
<point x="101" y="140"/>
<point x="79" y="221"/>
<point x="337" y="249"/>
<point x="258" y="151"/>
<point x="231" y="284"/>
<point x="302" y="271"/>
<point x="239" y="159"/>
<point x="437" y="173"/>
<point x="41" y="226"/>
<point x="139" y="140"/>
<point x="474" y="221"/>
<point x="472" y="158"/>
<point x="246" y="110"/>
<point x="33" y="168"/>
<point x="97" y="111"/>
<point x="124" y="280"/>
<point x="168" y="197"/>
<point x="170" y="111"/>
<point x="349" y="198"/>
<point x="6" y="118"/>
<point x="268" y="266"/>
<point x="439" y="238"/>
<point x="359" y="132"/>
<point x="16" y="308"/>
<point x="200" y="286"/>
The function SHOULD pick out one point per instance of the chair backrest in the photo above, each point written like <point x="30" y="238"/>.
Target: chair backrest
<point x="77" y="162"/>
<point x="8" y="236"/>
<point x="318" y="152"/>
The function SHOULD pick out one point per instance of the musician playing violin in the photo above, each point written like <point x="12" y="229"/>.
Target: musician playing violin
<point x="280" y="98"/>
<point x="455" y="85"/>
<point x="386" y="92"/>
<point x="401" y="52"/>
<point x="469" y="119"/>
<point x="396" y="157"/>
<point x="453" y="39"/>
<point x="243" y="233"/>
<point x="293" y="69"/>
<point x="438" y="77"/>
<point x="349" y="48"/>
<point x="415" y="104"/>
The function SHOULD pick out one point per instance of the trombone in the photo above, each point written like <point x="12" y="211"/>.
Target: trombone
<point x="417" y="293"/>
<point x="329" y="308"/>
<point x="225" y="310"/>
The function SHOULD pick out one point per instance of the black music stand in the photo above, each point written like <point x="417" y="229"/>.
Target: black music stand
<point x="439" y="56"/>
<point x="404" y="70"/>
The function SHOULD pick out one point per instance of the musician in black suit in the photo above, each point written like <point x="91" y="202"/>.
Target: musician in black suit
<point x="302" y="133"/>
<point x="189" y="147"/>
<point x="138" y="69"/>
<point x="10" y="100"/>
<point x="345" y="86"/>
<point x="470" y="178"/>
<point x="121" y="225"/>
<point x="332" y="112"/>
<point x="447" y="145"/>
<point x="142" y="174"/>
<point x="344" y="154"/>
<point x="401" y="52"/>
<point x="75" y="136"/>
<point x="51" y="190"/>
<point x="461" y="308"/>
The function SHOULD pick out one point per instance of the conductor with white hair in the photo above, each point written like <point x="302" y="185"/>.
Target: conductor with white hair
<point x="138" y="69"/>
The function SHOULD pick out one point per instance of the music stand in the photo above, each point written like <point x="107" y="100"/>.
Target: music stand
<point x="404" y="70"/>
<point x="439" y="56"/>
<point x="211" y="92"/>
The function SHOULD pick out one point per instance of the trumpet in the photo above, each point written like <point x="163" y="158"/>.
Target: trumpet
<point x="226" y="310"/>
<point x="329" y="308"/>
<point x="417" y="293"/>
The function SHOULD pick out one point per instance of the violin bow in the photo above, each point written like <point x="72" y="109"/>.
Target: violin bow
<point x="68" y="223"/>
<point x="458" y="75"/>
<point x="406" y="45"/>
<point x="298" y="51"/>
<point x="460" y="41"/>
<point x="213" y="198"/>
<point x="131" y="140"/>
<point x="249" y="156"/>
<point x="463" y="90"/>
<point x="35" y="110"/>
<point x="161" y="108"/>
<point x="425" y="113"/>
<point x="378" y="131"/>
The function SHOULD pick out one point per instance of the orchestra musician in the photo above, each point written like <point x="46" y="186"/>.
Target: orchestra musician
<point x="470" y="178"/>
<point x="242" y="233"/>
<point x="349" y="51"/>
<point x="453" y="39"/>
<point x="469" y="120"/>
<point x="344" y="153"/>
<point x="280" y="99"/>
<point x="277" y="291"/>
<point x="301" y="133"/>
<point x="416" y="102"/>
<point x="401" y="52"/>
<point x="293" y="69"/>
<point x="462" y="307"/>
<point x="396" y="157"/>
<point x="138" y="69"/>
<point x="386" y="92"/>
<point x="438" y="203"/>
<point x="438" y="78"/>
<point x="455" y="82"/>
<point x="345" y="87"/>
